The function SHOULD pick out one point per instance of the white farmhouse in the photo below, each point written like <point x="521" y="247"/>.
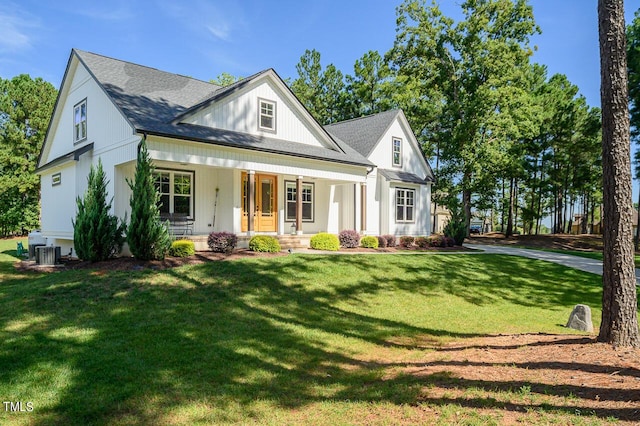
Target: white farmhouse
<point x="232" y="158"/>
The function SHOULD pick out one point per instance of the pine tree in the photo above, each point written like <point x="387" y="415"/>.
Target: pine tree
<point x="147" y="236"/>
<point x="97" y="235"/>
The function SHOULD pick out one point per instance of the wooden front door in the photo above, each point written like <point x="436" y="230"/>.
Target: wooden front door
<point x="265" y="203"/>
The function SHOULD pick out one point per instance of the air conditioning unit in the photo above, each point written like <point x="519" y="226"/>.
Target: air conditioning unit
<point x="36" y="239"/>
<point x="47" y="255"/>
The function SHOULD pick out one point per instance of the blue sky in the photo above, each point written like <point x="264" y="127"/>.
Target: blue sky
<point x="203" y="38"/>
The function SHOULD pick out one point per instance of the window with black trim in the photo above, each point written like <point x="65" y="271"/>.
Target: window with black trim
<point x="397" y="152"/>
<point x="405" y="203"/>
<point x="307" y="201"/>
<point x="267" y="115"/>
<point x="176" y="192"/>
<point x="80" y="121"/>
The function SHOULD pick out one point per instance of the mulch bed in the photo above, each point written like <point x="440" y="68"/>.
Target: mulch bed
<point x="132" y="264"/>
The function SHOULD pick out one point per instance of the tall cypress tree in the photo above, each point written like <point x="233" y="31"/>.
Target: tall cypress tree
<point x="97" y="235"/>
<point x="147" y="236"/>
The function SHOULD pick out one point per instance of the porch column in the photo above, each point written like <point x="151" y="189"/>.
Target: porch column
<point x="251" y="201"/>
<point x="363" y="207"/>
<point x="299" y="205"/>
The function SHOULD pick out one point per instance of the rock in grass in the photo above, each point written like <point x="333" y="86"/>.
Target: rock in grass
<point x="580" y="318"/>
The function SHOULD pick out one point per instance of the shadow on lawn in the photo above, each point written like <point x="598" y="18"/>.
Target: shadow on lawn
<point x="138" y="345"/>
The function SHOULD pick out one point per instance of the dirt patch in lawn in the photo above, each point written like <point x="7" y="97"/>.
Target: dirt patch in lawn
<point x="523" y="375"/>
<point x="585" y="242"/>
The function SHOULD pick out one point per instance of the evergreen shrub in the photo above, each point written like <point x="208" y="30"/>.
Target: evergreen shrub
<point x="97" y="235"/>
<point x="182" y="248"/>
<point x="325" y="241"/>
<point x="369" y="241"/>
<point x="264" y="243"/>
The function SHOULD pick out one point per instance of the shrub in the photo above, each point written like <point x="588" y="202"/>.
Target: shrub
<point x="182" y="248"/>
<point x="147" y="236"/>
<point x="456" y="230"/>
<point x="324" y="241"/>
<point x="437" y="241"/>
<point x="349" y="238"/>
<point x="222" y="242"/>
<point x="391" y="240"/>
<point x="382" y="242"/>
<point x="450" y="242"/>
<point x="423" y="242"/>
<point x="264" y="243"/>
<point x="97" y="235"/>
<point x="406" y="241"/>
<point x="369" y="241"/>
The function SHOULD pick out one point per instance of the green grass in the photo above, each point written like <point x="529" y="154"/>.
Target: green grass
<point x="269" y="341"/>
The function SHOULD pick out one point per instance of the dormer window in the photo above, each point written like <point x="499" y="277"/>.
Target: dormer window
<point x="267" y="115"/>
<point x="80" y="122"/>
<point x="397" y="152"/>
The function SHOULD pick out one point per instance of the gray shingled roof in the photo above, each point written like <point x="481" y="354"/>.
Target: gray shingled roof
<point x="154" y="100"/>
<point x="400" y="176"/>
<point x="363" y="133"/>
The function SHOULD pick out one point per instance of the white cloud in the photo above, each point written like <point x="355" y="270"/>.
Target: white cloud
<point x="202" y="17"/>
<point x="15" y="27"/>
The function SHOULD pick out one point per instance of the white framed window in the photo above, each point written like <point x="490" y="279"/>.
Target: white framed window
<point x="176" y="192"/>
<point x="307" y="201"/>
<point x="405" y="205"/>
<point x="266" y="115"/>
<point x="80" y="121"/>
<point x="397" y="151"/>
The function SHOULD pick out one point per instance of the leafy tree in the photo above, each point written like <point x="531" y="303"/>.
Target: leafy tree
<point x="225" y="79"/>
<point x="470" y="76"/>
<point x="369" y="88"/>
<point x="25" y="110"/>
<point x="147" y="236"/>
<point x="97" y="235"/>
<point x="322" y="92"/>
<point x="619" y="324"/>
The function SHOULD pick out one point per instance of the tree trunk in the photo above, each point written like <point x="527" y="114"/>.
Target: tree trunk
<point x="637" y="236"/>
<point x="466" y="205"/>
<point x="509" y="231"/>
<point x="619" y="324"/>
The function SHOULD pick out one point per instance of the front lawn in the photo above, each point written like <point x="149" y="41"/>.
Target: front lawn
<point x="300" y="339"/>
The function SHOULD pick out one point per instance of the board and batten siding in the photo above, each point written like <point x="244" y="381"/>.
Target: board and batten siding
<point x="162" y="149"/>
<point x="58" y="201"/>
<point x="106" y="127"/>
<point x="240" y="113"/>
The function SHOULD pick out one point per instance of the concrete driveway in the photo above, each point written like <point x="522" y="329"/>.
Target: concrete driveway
<point x="582" y="263"/>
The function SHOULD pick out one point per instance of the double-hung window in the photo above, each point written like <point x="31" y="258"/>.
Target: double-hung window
<point x="397" y="152"/>
<point x="80" y="121"/>
<point x="176" y="192"/>
<point x="267" y="115"/>
<point x="405" y="202"/>
<point x="307" y="201"/>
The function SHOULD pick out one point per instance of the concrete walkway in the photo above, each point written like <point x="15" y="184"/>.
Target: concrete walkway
<point x="582" y="263"/>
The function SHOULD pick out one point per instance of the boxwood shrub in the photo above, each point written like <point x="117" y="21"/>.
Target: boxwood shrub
<point x="422" y="242"/>
<point x="369" y="241"/>
<point x="382" y="241"/>
<point x="264" y="243"/>
<point x="182" y="248"/>
<point x="324" y="241"/>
